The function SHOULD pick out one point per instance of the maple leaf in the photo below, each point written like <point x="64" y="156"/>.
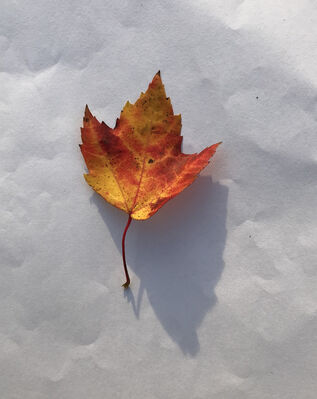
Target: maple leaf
<point x="138" y="166"/>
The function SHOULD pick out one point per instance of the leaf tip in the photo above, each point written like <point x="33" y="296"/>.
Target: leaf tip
<point x="88" y="114"/>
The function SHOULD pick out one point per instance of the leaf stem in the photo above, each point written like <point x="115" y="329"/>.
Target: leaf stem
<point x="127" y="283"/>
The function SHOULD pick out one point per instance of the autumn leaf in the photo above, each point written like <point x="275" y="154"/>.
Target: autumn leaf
<point x="138" y="166"/>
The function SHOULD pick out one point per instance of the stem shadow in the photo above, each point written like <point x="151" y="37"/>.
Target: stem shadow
<point x="177" y="255"/>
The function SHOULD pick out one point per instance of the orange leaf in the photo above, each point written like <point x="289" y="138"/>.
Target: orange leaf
<point x="138" y="166"/>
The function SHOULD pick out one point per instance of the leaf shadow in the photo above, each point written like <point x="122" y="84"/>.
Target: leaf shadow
<point x="178" y="257"/>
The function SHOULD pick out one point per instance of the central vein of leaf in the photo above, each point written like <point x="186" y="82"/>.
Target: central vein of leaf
<point x="141" y="175"/>
<point x="139" y="185"/>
